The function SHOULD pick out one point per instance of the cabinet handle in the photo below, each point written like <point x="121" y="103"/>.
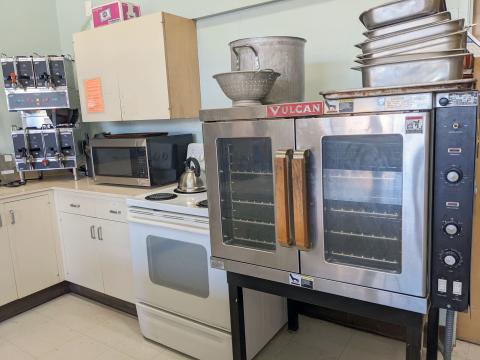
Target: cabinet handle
<point x="75" y="206"/>
<point x="282" y="196"/>
<point x="100" y="233"/>
<point x="92" y="232"/>
<point x="1" y="221"/>
<point x="300" y="200"/>
<point x="12" y="216"/>
<point x="115" y="212"/>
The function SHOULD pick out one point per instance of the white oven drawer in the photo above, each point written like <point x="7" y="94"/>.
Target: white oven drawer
<point x="189" y="337"/>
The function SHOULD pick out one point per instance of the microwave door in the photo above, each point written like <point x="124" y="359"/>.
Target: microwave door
<point x="367" y="196"/>
<point x="247" y="163"/>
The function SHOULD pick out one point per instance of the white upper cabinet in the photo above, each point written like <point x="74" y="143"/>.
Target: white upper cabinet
<point x="141" y="69"/>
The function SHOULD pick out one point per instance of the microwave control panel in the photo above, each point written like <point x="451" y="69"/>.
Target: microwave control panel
<point x="453" y="197"/>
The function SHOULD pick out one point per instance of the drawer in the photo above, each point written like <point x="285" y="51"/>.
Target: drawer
<point x="111" y="209"/>
<point x="75" y="204"/>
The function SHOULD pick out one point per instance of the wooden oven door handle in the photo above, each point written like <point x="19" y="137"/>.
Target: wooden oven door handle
<point x="282" y="197"/>
<point x="300" y="200"/>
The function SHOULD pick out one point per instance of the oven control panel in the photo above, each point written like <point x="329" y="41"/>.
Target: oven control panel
<point x="453" y="197"/>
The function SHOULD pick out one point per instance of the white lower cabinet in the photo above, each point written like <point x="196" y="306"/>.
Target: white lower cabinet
<point x="32" y="243"/>
<point x="82" y="262"/>
<point x="116" y="259"/>
<point x="97" y="254"/>
<point x="8" y="288"/>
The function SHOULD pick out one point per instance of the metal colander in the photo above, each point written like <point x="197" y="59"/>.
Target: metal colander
<point x="246" y="88"/>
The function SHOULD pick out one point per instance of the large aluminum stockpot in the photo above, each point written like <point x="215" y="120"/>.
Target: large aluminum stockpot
<point x="409" y="25"/>
<point x="400" y="10"/>
<point x="442" y="28"/>
<point x="283" y="54"/>
<point x="428" y="70"/>
<point x="456" y="40"/>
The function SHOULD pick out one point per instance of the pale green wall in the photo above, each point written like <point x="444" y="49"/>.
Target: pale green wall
<point x="27" y="26"/>
<point x="330" y="26"/>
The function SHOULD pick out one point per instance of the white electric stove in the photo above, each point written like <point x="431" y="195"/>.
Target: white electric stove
<point x="182" y="301"/>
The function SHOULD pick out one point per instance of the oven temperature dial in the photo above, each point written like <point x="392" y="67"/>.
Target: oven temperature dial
<point x="453" y="176"/>
<point x="451" y="229"/>
<point x="451" y="258"/>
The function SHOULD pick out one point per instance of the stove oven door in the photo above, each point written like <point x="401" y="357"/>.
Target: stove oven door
<point x="171" y="267"/>
<point x="367" y="198"/>
<point x="247" y="164"/>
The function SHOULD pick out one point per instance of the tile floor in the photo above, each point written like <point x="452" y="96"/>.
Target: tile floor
<point x="73" y="328"/>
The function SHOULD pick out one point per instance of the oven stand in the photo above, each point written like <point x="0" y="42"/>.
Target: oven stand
<point x="413" y="322"/>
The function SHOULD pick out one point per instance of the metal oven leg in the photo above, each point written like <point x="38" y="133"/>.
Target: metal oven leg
<point x="415" y="339"/>
<point x="292" y="315"/>
<point x="432" y="333"/>
<point x="237" y="320"/>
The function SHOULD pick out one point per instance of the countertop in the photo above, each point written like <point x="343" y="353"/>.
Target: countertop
<point x="84" y="185"/>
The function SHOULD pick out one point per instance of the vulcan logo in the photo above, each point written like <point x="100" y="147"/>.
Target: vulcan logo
<point x="295" y="109"/>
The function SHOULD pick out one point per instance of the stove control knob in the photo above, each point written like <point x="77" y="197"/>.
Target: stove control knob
<point x="444" y="101"/>
<point x="453" y="176"/>
<point x="451" y="229"/>
<point x="451" y="258"/>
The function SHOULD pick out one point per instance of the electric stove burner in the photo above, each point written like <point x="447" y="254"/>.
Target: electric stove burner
<point x="161" y="197"/>
<point x="203" y="204"/>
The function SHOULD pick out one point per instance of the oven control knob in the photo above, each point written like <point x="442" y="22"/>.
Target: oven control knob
<point x="453" y="176"/>
<point x="451" y="258"/>
<point x="444" y="101"/>
<point x="451" y="229"/>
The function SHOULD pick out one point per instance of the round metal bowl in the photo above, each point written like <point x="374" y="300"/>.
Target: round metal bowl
<point x="247" y="88"/>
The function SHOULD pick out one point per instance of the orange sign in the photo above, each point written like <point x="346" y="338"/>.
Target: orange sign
<point x="93" y="94"/>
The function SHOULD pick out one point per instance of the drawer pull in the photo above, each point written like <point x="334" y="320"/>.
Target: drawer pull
<point x="92" y="232"/>
<point x="1" y="222"/>
<point x="12" y="215"/>
<point x="115" y="212"/>
<point x="75" y="206"/>
<point x="100" y="233"/>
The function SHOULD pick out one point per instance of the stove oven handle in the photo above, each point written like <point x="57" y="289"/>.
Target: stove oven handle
<point x="300" y="200"/>
<point x="283" y="197"/>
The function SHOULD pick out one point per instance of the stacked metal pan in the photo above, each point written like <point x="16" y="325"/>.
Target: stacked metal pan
<point x="411" y="42"/>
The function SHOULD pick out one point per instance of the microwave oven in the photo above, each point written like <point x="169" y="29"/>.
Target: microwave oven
<point x="139" y="160"/>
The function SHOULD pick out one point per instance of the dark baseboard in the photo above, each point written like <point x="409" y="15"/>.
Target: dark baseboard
<point x="20" y="306"/>
<point x="104" y="299"/>
<point x="353" y="321"/>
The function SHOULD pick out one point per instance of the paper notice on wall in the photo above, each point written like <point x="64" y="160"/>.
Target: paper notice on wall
<point x="93" y="94"/>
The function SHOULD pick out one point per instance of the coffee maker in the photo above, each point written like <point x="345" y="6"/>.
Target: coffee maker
<point x="42" y="90"/>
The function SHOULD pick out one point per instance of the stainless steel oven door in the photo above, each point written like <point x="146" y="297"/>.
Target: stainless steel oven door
<point x="242" y="179"/>
<point x="368" y="200"/>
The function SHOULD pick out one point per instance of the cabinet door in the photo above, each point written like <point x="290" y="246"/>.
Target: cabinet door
<point x="8" y="289"/>
<point x="142" y="75"/>
<point x="82" y="263"/>
<point x="116" y="259"/>
<point x="32" y="239"/>
<point x="96" y="58"/>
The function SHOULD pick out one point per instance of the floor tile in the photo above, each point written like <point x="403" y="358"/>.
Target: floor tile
<point x="10" y="352"/>
<point x="364" y="346"/>
<point x="112" y="354"/>
<point x="42" y="339"/>
<point x="474" y="352"/>
<point x="21" y="323"/>
<point x="171" y="355"/>
<point x="80" y="348"/>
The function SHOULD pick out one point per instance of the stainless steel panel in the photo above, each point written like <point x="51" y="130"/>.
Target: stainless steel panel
<point x="403" y="26"/>
<point x="120" y="143"/>
<point x="400" y="10"/>
<point x="234" y="113"/>
<point x="282" y="135"/>
<point x="376" y="296"/>
<point x="442" y="28"/>
<point x="413" y="277"/>
<point x="407" y="57"/>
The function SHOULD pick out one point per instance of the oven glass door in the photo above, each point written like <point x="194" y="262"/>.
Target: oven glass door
<point x="126" y="162"/>
<point x="241" y="191"/>
<point x="368" y="195"/>
<point x="171" y="265"/>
